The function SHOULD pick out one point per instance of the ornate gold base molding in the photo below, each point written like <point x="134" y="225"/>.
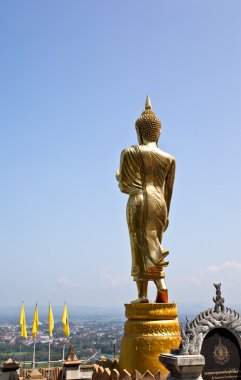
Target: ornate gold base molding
<point x="151" y="329"/>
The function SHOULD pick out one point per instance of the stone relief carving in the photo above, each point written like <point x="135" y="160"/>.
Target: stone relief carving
<point x="217" y="317"/>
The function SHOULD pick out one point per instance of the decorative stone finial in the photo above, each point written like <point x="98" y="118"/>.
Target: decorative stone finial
<point x="218" y="300"/>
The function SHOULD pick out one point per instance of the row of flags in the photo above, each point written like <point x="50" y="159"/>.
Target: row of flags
<point x="35" y="325"/>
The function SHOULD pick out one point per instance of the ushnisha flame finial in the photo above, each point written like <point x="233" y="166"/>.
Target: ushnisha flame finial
<point x="148" y="103"/>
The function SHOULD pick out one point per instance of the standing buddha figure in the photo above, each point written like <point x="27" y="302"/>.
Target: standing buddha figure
<point x="147" y="174"/>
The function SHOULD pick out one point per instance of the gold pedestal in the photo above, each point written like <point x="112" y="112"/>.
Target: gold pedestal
<point x="151" y="329"/>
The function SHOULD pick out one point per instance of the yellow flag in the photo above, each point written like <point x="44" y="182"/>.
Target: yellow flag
<point x="65" y="321"/>
<point x="22" y="322"/>
<point x="35" y="322"/>
<point x="51" y="320"/>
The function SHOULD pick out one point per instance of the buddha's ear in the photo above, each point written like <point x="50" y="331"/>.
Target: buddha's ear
<point x="139" y="137"/>
<point x="158" y="138"/>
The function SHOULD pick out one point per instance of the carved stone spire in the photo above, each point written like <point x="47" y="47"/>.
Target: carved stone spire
<point x="218" y="300"/>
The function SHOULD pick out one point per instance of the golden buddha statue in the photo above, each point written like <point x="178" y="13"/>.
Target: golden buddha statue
<point x="147" y="175"/>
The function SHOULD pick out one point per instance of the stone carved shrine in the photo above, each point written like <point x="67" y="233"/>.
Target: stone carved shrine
<point x="215" y="334"/>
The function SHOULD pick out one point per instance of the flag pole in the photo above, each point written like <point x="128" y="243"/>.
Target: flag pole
<point x="49" y="358"/>
<point x="63" y="352"/>
<point x="63" y="361"/>
<point x="35" y="331"/>
<point x="23" y="331"/>
<point x="51" y="327"/>
<point x="34" y="348"/>
<point x="20" y="352"/>
<point x="65" y="321"/>
<point x="49" y="339"/>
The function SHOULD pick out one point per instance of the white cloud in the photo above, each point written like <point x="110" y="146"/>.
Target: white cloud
<point x="212" y="269"/>
<point x="226" y="266"/>
<point x="66" y="282"/>
<point x="227" y="271"/>
<point x="196" y="286"/>
<point x="107" y="280"/>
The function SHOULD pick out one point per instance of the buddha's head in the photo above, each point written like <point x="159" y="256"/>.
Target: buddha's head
<point x="148" y="126"/>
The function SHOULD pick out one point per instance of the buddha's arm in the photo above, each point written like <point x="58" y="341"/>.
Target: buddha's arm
<point x="119" y="176"/>
<point x="128" y="175"/>
<point x="168" y="187"/>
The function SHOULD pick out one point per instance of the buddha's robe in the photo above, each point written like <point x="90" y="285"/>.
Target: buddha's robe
<point x="146" y="174"/>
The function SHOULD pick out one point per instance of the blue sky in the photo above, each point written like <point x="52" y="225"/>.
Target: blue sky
<point x="73" y="77"/>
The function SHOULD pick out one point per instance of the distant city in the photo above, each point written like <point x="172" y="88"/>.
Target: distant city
<point x="94" y="331"/>
<point x="90" y="338"/>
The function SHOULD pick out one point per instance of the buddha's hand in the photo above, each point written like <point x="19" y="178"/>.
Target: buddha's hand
<point x="167" y="224"/>
<point x="117" y="176"/>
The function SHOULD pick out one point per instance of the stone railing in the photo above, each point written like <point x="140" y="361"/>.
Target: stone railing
<point x="107" y="363"/>
<point x="52" y="373"/>
<point x="109" y="373"/>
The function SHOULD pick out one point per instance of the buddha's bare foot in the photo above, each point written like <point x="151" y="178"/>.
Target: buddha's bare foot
<point x="141" y="300"/>
<point x="162" y="296"/>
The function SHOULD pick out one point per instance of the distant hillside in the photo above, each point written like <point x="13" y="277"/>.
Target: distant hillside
<point x="75" y="312"/>
<point x="96" y="313"/>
